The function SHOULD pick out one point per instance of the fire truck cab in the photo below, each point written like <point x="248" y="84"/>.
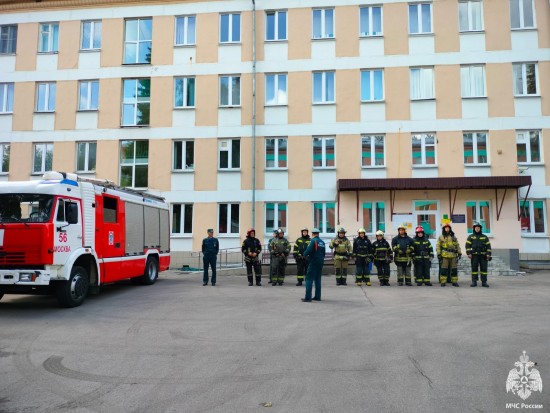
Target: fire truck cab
<point x="68" y="235"/>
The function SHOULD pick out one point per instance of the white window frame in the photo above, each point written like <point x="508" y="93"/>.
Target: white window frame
<point x="137" y="43"/>
<point x="230" y="91"/>
<point x="5" y="31"/>
<point x="53" y="37"/>
<point x="324" y="30"/>
<point x="526" y="140"/>
<point x="421" y="29"/>
<point x="477" y="216"/>
<point x="86" y="145"/>
<point x="324" y="91"/>
<point x="530" y="206"/>
<point x="185" y="86"/>
<point x="185" y="38"/>
<point x="49" y="87"/>
<point x="95" y="25"/>
<point x="470" y="16"/>
<point x="278" y="100"/>
<point x="371" y="78"/>
<point x="324" y="159"/>
<point x="276" y="153"/>
<point x="425" y="74"/>
<point x="369" y="11"/>
<point x="4" y="148"/>
<point x="46" y="147"/>
<point x="6" y="92"/>
<point x="277" y="14"/>
<point x="278" y="223"/>
<point x="89" y="93"/>
<point x="226" y="145"/>
<point x="230" y="29"/>
<point x="184" y="151"/>
<point x="373" y="139"/>
<point x="468" y="81"/>
<point x="424" y="146"/>
<point x="135" y="102"/>
<point x="321" y="225"/>
<point x="522" y="25"/>
<point x="374" y="216"/>
<point x="475" y="150"/>
<point x="134" y="162"/>
<point x="228" y="217"/>
<point x="523" y="66"/>
<point x="184" y="209"/>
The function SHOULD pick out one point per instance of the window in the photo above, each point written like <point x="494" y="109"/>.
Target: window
<point x="478" y="211"/>
<point x="275" y="216"/>
<point x="276" y="89"/>
<point x="422" y="83"/>
<point x="528" y="146"/>
<point x="475" y="148"/>
<point x="228" y="219"/>
<point x="374" y="217"/>
<point x="134" y="160"/>
<point x="42" y="159"/>
<point x="323" y="152"/>
<point x="45" y="97"/>
<point x="88" y="98"/>
<point x="86" y="156"/>
<point x="136" y="102"/>
<point x="8" y="39"/>
<point x="91" y="35"/>
<point x="372" y="85"/>
<point x="275" y="25"/>
<point x="420" y="18"/>
<point x="4" y="158"/>
<point x="423" y="149"/>
<point x="470" y="16"/>
<point x="276" y="153"/>
<point x="323" y="23"/>
<point x="323" y="87"/>
<point x="324" y="217"/>
<point x="182" y="219"/>
<point x="525" y="79"/>
<point x="370" y="19"/>
<point x="49" y="36"/>
<point x="472" y="80"/>
<point x="229" y="151"/>
<point x="533" y="217"/>
<point x="372" y="150"/>
<point x="185" y="30"/>
<point x="6" y="97"/>
<point x="184" y="95"/>
<point x="109" y="209"/>
<point x="184" y="155"/>
<point x="230" y="90"/>
<point x="522" y="14"/>
<point x="138" y="41"/>
<point x="230" y="28"/>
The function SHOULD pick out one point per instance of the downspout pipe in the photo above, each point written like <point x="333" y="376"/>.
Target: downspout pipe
<point x="253" y="113"/>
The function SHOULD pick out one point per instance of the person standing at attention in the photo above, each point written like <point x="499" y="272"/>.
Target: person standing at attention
<point x="210" y="249"/>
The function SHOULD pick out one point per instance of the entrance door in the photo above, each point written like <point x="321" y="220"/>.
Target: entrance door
<point x="427" y="216"/>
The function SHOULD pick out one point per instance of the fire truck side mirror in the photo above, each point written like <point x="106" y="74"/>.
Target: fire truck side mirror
<point x="72" y="213"/>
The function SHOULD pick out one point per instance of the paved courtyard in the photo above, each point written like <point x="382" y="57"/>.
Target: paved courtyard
<point x="177" y="346"/>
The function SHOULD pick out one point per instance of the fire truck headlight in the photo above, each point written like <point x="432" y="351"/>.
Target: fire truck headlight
<point x="26" y="276"/>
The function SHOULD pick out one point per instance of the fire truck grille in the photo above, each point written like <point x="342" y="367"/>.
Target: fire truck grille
<point x="12" y="258"/>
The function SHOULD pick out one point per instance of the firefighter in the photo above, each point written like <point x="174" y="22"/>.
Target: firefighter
<point x="342" y="250"/>
<point x="270" y="259"/>
<point x="298" y="251"/>
<point x="210" y="249"/>
<point x="448" y="254"/>
<point x="403" y="248"/>
<point x="315" y="253"/>
<point x="422" y="257"/>
<point x="279" y="249"/>
<point x="478" y="249"/>
<point x="252" y="249"/>
<point x="382" y="257"/>
<point x="362" y="251"/>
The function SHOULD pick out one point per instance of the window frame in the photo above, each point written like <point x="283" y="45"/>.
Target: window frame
<point x="135" y="102"/>
<point x="475" y="148"/>
<point x="137" y="42"/>
<point x="422" y="78"/>
<point x="323" y="35"/>
<point x="5" y="95"/>
<point x="47" y="147"/>
<point x="230" y="39"/>
<point x="374" y="209"/>
<point x="373" y="153"/>
<point x="184" y="152"/>
<point x="370" y="18"/>
<point x="324" y="155"/>
<point x="276" y="153"/>
<point x="93" y="30"/>
<point x="524" y="83"/>
<point x="279" y="223"/>
<point x="230" y="206"/>
<point x="276" y="23"/>
<point x="53" y="37"/>
<point x="521" y="16"/>
<point x="10" y="41"/>
<point x="185" y="89"/>
<point x="527" y="143"/>
<point x="89" y="95"/>
<point x="230" y="91"/>
<point x="275" y="92"/>
<point x="48" y="93"/>
<point x="186" y="33"/>
<point x="5" y="151"/>
<point x="421" y="31"/>
<point x="469" y="16"/>
<point x="532" y="230"/>
<point x="87" y="145"/>
<point x="324" y="90"/>
<point x="477" y="218"/>
<point x="471" y="78"/>
<point x="134" y="163"/>
<point x="324" y="231"/>
<point x="423" y="151"/>
<point x="229" y="149"/>
<point x="372" y="85"/>
<point x="183" y="230"/>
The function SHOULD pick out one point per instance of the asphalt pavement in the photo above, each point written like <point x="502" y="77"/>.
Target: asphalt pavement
<point x="179" y="346"/>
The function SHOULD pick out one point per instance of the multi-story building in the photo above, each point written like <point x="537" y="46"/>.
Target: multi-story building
<point x="286" y="113"/>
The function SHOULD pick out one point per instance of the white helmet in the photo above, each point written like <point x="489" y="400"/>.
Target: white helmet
<point x="379" y="232"/>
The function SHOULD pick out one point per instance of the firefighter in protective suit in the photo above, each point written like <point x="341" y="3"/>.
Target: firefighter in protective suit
<point x="382" y="254"/>
<point x="423" y="255"/>
<point x="403" y="248"/>
<point x="448" y="253"/>
<point x="478" y="249"/>
<point x="251" y="250"/>
<point x="279" y="249"/>
<point x="362" y="251"/>
<point x="300" y="247"/>
<point x="342" y="251"/>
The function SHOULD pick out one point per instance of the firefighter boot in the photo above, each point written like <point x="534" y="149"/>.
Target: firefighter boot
<point x="299" y="283"/>
<point x="344" y="276"/>
<point x="474" y="283"/>
<point x="367" y="280"/>
<point x="259" y="280"/>
<point x="484" y="282"/>
<point x="250" y="281"/>
<point x="337" y="276"/>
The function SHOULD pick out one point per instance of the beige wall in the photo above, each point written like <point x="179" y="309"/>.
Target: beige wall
<point x="66" y="105"/>
<point x="107" y="165"/>
<point x="207" y="38"/>
<point x="447" y="92"/>
<point x="299" y="97"/>
<point x="163" y="40"/>
<point x="542" y="12"/>
<point x="348" y="157"/>
<point x="397" y="90"/>
<point x="160" y="160"/>
<point x="299" y="33"/>
<point x="300" y="166"/>
<point x="112" y="50"/>
<point x="246" y="98"/>
<point x="546" y="152"/>
<point x="301" y="215"/>
<point x="445" y="22"/>
<point x="396" y="28"/>
<point x="27" y="34"/>
<point x="110" y="98"/>
<point x="69" y="44"/>
<point x="245" y="211"/>
<point x="450" y="146"/>
<point x="503" y="155"/>
<point x="20" y="161"/>
<point x="398" y="155"/>
<point x="246" y="39"/>
<point x="348" y="94"/>
<point x="347" y="29"/>
<point x="500" y="89"/>
<point x="23" y="106"/>
<point x="206" y="164"/>
<point x="162" y="90"/>
<point x="246" y="163"/>
<point x="260" y="163"/>
<point x="206" y="100"/>
<point x="64" y="157"/>
<point x="496" y="15"/>
<point x="204" y="217"/>
<point x="544" y="82"/>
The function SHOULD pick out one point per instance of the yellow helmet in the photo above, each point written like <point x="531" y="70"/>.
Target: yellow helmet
<point x="361" y="230"/>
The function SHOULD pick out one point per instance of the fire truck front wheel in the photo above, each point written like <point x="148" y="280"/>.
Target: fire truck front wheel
<point x="151" y="272"/>
<point x="73" y="292"/>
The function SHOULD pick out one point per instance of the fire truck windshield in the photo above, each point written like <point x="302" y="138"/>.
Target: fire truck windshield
<point x="25" y="208"/>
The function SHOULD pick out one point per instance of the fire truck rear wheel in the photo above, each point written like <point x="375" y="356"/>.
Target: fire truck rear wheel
<point x="151" y="271"/>
<point x="73" y="292"/>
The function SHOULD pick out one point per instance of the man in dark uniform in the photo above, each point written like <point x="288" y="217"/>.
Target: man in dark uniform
<point x="422" y="257"/>
<point x="382" y="253"/>
<point x="279" y="249"/>
<point x="210" y="249"/>
<point x="402" y="246"/>
<point x="301" y="263"/>
<point x="252" y="249"/>
<point x="478" y="249"/>
<point x="315" y="254"/>
<point x="362" y="251"/>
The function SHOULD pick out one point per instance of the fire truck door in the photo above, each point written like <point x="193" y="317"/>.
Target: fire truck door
<point x="68" y="230"/>
<point x="109" y="237"/>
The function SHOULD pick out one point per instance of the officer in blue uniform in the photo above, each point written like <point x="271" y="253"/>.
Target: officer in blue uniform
<point x="315" y="254"/>
<point x="210" y="249"/>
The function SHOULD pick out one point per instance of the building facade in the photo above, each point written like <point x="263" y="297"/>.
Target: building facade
<point x="290" y="114"/>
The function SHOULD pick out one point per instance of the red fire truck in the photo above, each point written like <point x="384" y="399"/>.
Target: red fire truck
<point x="68" y="235"/>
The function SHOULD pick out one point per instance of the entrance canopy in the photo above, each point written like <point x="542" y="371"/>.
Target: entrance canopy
<point x="450" y="184"/>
